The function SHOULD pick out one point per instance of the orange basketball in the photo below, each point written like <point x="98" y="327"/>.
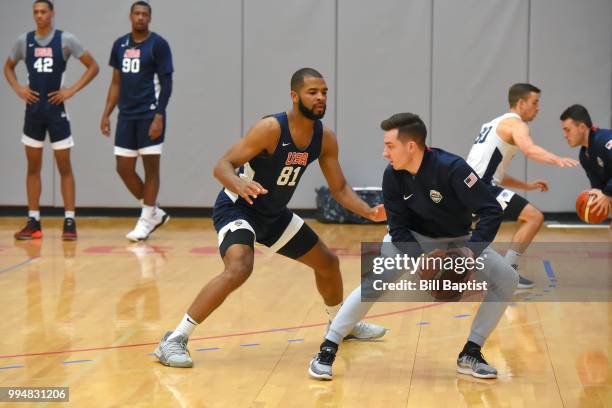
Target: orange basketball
<point x="583" y="208"/>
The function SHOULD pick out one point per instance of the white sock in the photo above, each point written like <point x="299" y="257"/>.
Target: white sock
<point x="185" y="328"/>
<point x="141" y="201"/>
<point x="34" y="214"/>
<point x="332" y="311"/>
<point x="512" y="257"/>
<point x="147" y="211"/>
<point x="69" y="214"/>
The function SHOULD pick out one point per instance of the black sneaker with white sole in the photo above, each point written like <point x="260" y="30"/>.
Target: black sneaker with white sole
<point x="471" y="362"/>
<point x="321" y="365"/>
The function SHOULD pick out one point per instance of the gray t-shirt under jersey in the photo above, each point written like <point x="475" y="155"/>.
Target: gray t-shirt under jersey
<point x="70" y="45"/>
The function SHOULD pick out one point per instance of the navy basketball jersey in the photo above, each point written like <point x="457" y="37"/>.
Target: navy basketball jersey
<point x="280" y="172"/>
<point x="46" y="66"/>
<point x="139" y="65"/>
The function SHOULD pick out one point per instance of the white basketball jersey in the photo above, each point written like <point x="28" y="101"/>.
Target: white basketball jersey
<point x="490" y="155"/>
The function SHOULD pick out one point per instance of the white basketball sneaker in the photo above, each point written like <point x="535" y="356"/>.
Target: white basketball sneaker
<point x="363" y="331"/>
<point x="145" y="226"/>
<point x="174" y="352"/>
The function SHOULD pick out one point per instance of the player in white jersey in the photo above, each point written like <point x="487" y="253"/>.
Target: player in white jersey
<point x="497" y="143"/>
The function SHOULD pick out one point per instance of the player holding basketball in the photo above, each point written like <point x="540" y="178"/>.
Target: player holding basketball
<point x="141" y="84"/>
<point x="45" y="52"/>
<point x="430" y="196"/>
<point x="490" y="156"/>
<point x="252" y="207"/>
<point x="595" y="153"/>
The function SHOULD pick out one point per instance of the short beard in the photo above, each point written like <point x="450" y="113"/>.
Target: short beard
<point x="309" y="113"/>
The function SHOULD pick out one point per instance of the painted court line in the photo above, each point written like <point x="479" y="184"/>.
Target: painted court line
<point x="577" y="226"/>
<point x="20" y="264"/>
<point x="222" y="336"/>
<point x="549" y="271"/>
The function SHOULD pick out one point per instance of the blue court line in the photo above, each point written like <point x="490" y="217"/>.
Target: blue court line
<point x="209" y="349"/>
<point x="20" y="264"/>
<point x="249" y="345"/>
<point x="422" y="323"/>
<point x="461" y="315"/>
<point x="9" y="367"/>
<point x="295" y="340"/>
<point x="76" y="361"/>
<point x="549" y="271"/>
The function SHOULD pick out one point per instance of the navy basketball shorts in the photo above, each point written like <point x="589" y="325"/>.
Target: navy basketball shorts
<point x="285" y="233"/>
<point x="511" y="203"/>
<point x="35" y="131"/>
<point x="132" y="138"/>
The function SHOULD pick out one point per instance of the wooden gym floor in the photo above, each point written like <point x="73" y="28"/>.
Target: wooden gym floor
<point x="88" y="315"/>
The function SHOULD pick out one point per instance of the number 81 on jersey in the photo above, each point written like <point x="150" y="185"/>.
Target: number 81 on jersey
<point x="288" y="176"/>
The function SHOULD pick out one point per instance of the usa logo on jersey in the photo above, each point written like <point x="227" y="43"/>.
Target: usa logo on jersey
<point x="43" y="52"/>
<point x="131" y="53"/>
<point x="297" y="158"/>
<point x="609" y="144"/>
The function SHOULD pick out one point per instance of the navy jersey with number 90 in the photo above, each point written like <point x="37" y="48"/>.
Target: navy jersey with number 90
<point x="139" y="65"/>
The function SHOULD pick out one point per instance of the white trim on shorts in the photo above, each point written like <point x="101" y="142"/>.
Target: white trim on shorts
<point x="234" y="226"/>
<point x="294" y="226"/>
<point x="28" y="141"/>
<point x="66" y="143"/>
<point x="155" y="149"/>
<point x="504" y="197"/>
<point x="122" y="151"/>
<point x="63" y="144"/>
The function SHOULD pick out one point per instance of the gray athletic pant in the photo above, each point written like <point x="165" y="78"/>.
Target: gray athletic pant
<point x="501" y="281"/>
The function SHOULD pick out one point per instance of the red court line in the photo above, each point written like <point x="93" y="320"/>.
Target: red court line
<point x="221" y="336"/>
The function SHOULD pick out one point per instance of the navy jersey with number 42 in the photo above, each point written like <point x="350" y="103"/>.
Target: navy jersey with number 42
<point x="46" y="68"/>
<point x="139" y="65"/>
<point x="280" y="172"/>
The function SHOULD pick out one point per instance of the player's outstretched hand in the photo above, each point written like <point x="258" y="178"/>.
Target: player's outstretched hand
<point x="29" y="96"/>
<point x="249" y="189"/>
<point x="58" y="97"/>
<point x="539" y="184"/>
<point x="105" y="126"/>
<point x="157" y="127"/>
<point x="601" y="201"/>
<point x="377" y="213"/>
<point x="566" y="162"/>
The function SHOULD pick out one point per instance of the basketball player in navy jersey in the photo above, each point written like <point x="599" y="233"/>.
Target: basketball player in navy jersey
<point x="430" y="196"/>
<point x="595" y="153"/>
<point x="491" y="154"/>
<point x="45" y="53"/>
<point x="141" y="85"/>
<point x="252" y="207"/>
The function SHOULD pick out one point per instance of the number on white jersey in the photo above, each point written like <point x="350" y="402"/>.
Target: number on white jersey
<point x="484" y="132"/>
